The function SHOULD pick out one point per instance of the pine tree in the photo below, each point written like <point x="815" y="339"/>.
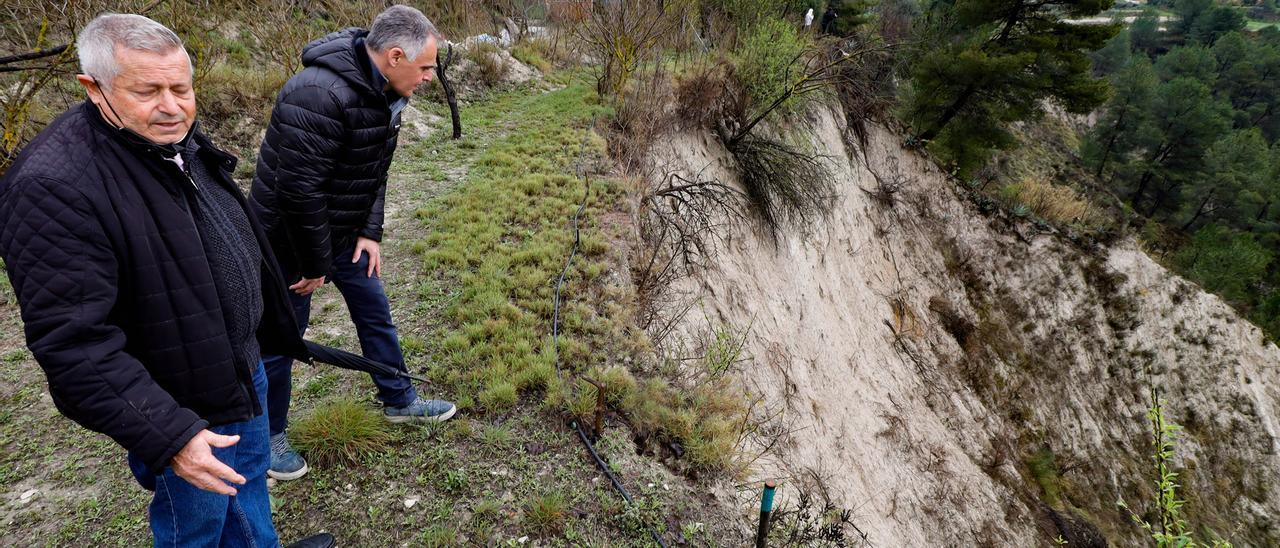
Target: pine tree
<point x="1216" y="23"/>
<point x="1249" y="77"/>
<point x="992" y="62"/>
<point x="1115" y="135"/>
<point x="1114" y="56"/>
<point x="1237" y="170"/>
<point x="1188" y="11"/>
<point x="1144" y="32"/>
<point x="1185" y="120"/>
<point x="1194" y="62"/>
<point x="852" y="14"/>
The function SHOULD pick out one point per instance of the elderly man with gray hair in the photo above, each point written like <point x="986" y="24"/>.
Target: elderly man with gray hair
<point x="319" y="188"/>
<point x="148" y="290"/>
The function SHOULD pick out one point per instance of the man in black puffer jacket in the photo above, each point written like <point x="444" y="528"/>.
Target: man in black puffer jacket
<point x="147" y="289"/>
<point x="320" y="186"/>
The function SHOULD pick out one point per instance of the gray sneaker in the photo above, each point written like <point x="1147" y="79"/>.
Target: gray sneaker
<point x="286" y="464"/>
<point x="420" y="410"/>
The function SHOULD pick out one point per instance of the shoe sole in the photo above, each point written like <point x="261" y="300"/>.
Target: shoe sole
<point x="289" y="476"/>
<point x="399" y="419"/>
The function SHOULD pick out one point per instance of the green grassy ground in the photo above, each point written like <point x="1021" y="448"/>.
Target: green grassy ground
<point x="477" y="231"/>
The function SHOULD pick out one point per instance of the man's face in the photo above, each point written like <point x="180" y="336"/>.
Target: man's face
<point x="404" y="74"/>
<point x="151" y="95"/>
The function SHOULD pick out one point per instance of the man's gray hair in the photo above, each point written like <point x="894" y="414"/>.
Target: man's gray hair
<point x="401" y="27"/>
<point x="98" y="41"/>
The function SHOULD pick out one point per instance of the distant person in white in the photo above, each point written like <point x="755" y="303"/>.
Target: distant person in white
<point x="808" y="18"/>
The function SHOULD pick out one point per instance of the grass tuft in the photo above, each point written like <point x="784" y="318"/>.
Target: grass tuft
<point x="499" y="397"/>
<point x="341" y="432"/>
<point x="1060" y="205"/>
<point x="546" y="513"/>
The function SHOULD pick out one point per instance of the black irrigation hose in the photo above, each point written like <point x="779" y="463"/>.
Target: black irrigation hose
<point x="555" y="348"/>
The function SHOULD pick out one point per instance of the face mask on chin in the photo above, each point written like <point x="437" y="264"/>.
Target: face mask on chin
<point x="167" y="150"/>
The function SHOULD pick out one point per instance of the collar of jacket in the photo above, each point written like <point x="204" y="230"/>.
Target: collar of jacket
<point x="212" y="155"/>
<point x="371" y="70"/>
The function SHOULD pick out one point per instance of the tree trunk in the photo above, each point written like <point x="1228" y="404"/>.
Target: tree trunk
<point x="1142" y="189"/>
<point x="450" y="96"/>
<point x="950" y="113"/>
<point x="1199" y="211"/>
<point x="1159" y="200"/>
<point x="1111" y="143"/>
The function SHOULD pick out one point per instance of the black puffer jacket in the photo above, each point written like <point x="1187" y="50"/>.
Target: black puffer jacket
<point x="322" y="169"/>
<point x="117" y="296"/>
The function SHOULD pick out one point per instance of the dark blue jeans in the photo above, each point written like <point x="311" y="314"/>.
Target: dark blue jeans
<point x="184" y="515"/>
<point x="370" y="312"/>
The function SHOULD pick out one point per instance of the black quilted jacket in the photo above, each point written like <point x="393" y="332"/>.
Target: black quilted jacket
<point x="116" y="293"/>
<point x="322" y="169"/>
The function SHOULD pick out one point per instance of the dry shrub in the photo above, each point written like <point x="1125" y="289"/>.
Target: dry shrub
<point x="1054" y="203"/>
<point x="235" y="103"/>
<point x="960" y="328"/>
<point x="458" y="18"/>
<point x="864" y="84"/>
<point x="557" y="45"/>
<point x="785" y="185"/>
<point x="619" y="36"/>
<point x="708" y="95"/>
<point x="641" y="115"/>
<point x="533" y="53"/>
<point x="490" y="65"/>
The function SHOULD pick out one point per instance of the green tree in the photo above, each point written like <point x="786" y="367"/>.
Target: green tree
<point x="1195" y="62"/>
<point x="852" y="15"/>
<point x="1144" y="32"/>
<point x="766" y="57"/>
<point x="896" y="18"/>
<point x="986" y="63"/>
<point x="1238" y="168"/>
<point x="1114" y="56"/>
<point x="1225" y="262"/>
<point x="1188" y="11"/>
<point x="745" y="13"/>
<point x="1249" y="77"/>
<point x="1115" y="136"/>
<point x="1216" y="23"/>
<point x="1201" y="21"/>
<point x="1261" y="204"/>
<point x="1185" y="120"/>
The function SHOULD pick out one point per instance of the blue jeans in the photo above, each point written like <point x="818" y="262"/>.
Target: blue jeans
<point x="185" y="515"/>
<point x="370" y="312"/>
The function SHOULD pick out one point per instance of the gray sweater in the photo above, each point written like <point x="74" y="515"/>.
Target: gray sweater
<point x="234" y="256"/>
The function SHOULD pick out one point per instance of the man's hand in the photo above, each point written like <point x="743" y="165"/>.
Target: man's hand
<point x="375" y="255"/>
<point x="196" y="464"/>
<point x="306" y="286"/>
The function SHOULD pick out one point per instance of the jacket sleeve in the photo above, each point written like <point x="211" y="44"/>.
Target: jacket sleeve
<point x="311" y="138"/>
<point x="64" y="273"/>
<point x="373" y="226"/>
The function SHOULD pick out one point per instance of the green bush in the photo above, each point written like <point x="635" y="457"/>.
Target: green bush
<point x="768" y="61"/>
<point x="1225" y="262"/>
